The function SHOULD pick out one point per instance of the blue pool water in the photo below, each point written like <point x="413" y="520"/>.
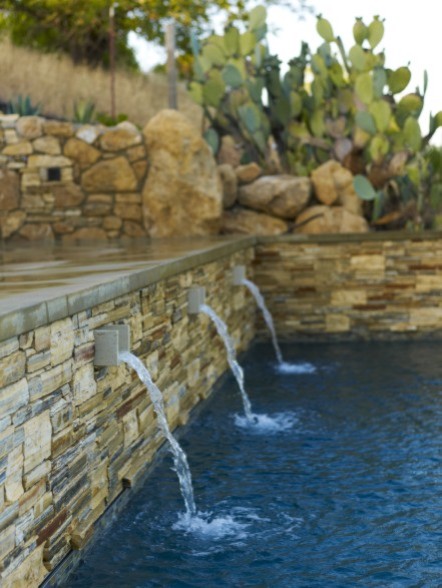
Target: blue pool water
<point x="338" y="485"/>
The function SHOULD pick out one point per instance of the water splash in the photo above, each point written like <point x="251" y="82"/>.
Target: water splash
<point x="296" y="368"/>
<point x="205" y="526"/>
<point x="268" y="424"/>
<point x="254" y="290"/>
<point x="237" y="370"/>
<point x="179" y="457"/>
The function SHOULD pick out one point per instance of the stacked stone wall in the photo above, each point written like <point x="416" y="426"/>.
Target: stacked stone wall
<point x="70" y="182"/>
<point x="368" y="287"/>
<point x="73" y="436"/>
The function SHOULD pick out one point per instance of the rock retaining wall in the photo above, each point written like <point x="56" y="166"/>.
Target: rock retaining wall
<point x="72" y="437"/>
<point x="60" y="181"/>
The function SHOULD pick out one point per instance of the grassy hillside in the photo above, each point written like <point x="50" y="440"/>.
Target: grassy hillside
<point x="56" y="83"/>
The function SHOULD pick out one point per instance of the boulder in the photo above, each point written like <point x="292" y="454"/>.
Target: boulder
<point x="329" y="219"/>
<point x="333" y="184"/>
<point x="240" y="221"/>
<point x="283" y="196"/>
<point x="248" y="173"/>
<point x="230" y="151"/>
<point x="182" y="194"/>
<point x="230" y="184"/>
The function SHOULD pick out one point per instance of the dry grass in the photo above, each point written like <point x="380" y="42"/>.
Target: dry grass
<point x="55" y="83"/>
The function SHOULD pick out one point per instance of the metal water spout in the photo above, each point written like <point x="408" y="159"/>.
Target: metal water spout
<point x="111" y="341"/>
<point x="196" y="298"/>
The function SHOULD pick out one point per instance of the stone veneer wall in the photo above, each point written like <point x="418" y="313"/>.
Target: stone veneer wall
<point x="64" y="181"/>
<point x="71" y="436"/>
<point x="352" y="287"/>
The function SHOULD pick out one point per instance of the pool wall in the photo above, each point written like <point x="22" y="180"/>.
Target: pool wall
<point x="73" y="437"/>
<point x="376" y="286"/>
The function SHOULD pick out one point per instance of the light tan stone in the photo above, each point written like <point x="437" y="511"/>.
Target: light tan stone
<point x="9" y="190"/>
<point x="84" y="384"/>
<point x="128" y="211"/>
<point x="373" y="263"/>
<point x="12" y="368"/>
<point x="67" y="195"/>
<point x="182" y="194"/>
<point x="329" y="219"/>
<point x="136" y="153"/>
<point x="230" y="151"/>
<point x="50" y="380"/>
<point x="81" y="152"/>
<point x="86" y="234"/>
<point x="30" y="127"/>
<point x="46" y="161"/>
<point x="428" y="283"/>
<point x="130" y="428"/>
<point x="284" y="196"/>
<point x="140" y="169"/>
<point x="62" y="341"/>
<point x="9" y="346"/>
<point x="248" y="173"/>
<point x="21" y="148"/>
<point x="110" y="175"/>
<point x="430" y="318"/>
<point x="7" y="541"/>
<point x="98" y="205"/>
<point x="88" y="133"/>
<point x="37" y="444"/>
<point x="247" y="222"/>
<point x="229" y="183"/>
<point x="37" y="232"/>
<point x="49" y="145"/>
<point x="348" y="297"/>
<point x="133" y="229"/>
<point x="337" y="323"/>
<point x="29" y="574"/>
<point x="323" y="182"/>
<point x="57" y="128"/>
<point x="112" y="223"/>
<point x="120" y="138"/>
<point x="11" y="223"/>
<point x="42" y="338"/>
<point x="14" y="475"/>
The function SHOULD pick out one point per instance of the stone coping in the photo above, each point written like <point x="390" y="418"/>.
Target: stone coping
<point x="379" y="236"/>
<point x="39" y="285"/>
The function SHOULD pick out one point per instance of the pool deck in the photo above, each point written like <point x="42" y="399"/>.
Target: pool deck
<point x="43" y="283"/>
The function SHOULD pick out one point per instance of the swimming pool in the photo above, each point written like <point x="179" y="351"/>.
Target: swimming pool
<point x="339" y="486"/>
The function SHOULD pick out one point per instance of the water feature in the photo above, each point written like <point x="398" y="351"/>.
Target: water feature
<point x="179" y="457"/>
<point x="349" y="497"/>
<point x="283" y="366"/>
<point x="254" y="290"/>
<point x="237" y="370"/>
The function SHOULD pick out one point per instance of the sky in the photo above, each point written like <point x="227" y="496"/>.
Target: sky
<point x="412" y="36"/>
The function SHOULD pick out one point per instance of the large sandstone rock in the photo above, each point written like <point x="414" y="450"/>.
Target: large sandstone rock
<point x="110" y="175"/>
<point x="230" y="184"/>
<point x="329" y="219"/>
<point x="9" y="189"/>
<point x="333" y="184"/>
<point x="182" y="194"/>
<point x="247" y="222"/>
<point x="283" y="196"/>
